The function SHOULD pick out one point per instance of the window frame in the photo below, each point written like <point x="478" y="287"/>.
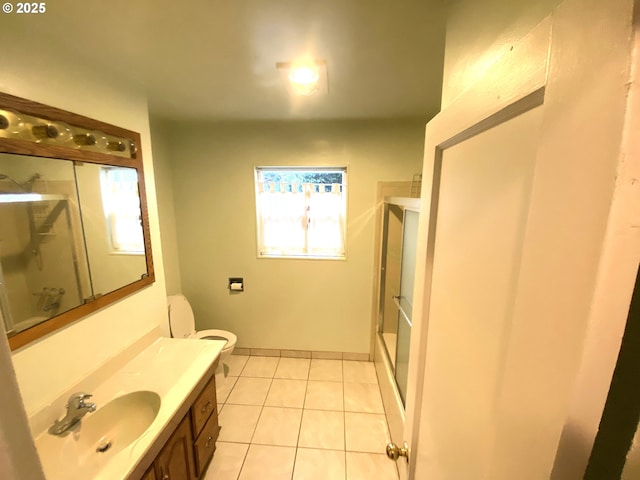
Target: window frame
<point x="344" y="169"/>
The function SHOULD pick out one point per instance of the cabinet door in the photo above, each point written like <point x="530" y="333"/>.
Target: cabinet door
<point x="175" y="461"/>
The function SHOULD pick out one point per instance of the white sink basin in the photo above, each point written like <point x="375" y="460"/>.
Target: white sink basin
<point x="159" y="376"/>
<point x="118" y="423"/>
<point x="99" y="436"/>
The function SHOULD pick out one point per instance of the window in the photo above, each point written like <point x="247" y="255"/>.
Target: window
<point x="121" y="204"/>
<point x="301" y="212"/>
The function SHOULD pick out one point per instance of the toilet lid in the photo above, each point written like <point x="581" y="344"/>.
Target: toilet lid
<point x="181" y="320"/>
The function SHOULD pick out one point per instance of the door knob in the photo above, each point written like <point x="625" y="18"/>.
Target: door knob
<point x="394" y="452"/>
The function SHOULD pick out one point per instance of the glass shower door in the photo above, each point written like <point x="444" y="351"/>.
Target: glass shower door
<point x="399" y="244"/>
<point x="405" y="300"/>
<point x="390" y="278"/>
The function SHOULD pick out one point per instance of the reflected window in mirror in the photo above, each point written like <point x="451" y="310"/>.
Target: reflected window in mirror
<point x="121" y="204"/>
<point x="108" y="210"/>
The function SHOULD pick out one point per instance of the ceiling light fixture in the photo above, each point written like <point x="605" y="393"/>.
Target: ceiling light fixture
<point x="305" y="78"/>
<point x="304" y="75"/>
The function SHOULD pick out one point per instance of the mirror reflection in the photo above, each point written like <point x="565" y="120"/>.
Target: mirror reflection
<point x="110" y="206"/>
<point x="69" y="232"/>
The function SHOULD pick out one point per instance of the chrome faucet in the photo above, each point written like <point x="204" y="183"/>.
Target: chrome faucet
<point x="76" y="409"/>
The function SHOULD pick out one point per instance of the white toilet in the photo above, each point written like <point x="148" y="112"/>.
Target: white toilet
<point x="182" y="325"/>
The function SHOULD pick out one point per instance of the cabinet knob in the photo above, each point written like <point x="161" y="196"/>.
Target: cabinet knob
<point x="163" y="476"/>
<point x="206" y="407"/>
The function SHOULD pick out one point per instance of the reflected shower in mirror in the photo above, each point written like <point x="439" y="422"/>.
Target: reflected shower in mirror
<point x="43" y="267"/>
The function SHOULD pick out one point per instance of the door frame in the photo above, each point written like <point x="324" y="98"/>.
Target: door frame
<point x="559" y="64"/>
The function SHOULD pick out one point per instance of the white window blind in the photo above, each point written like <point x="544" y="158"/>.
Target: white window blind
<point x="301" y="212"/>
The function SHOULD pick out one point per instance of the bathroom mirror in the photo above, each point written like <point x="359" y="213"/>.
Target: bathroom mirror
<point x="74" y="234"/>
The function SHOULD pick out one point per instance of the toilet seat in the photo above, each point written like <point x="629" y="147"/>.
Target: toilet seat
<point x="217" y="335"/>
<point x="182" y="324"/>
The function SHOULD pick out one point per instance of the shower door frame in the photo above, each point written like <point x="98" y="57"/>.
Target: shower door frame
<point x="406" y="204"/>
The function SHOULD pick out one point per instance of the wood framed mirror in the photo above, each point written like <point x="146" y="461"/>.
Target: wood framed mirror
<point x="74" y="225"/>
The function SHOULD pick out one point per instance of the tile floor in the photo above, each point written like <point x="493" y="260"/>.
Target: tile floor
<point x="300" y="419"/>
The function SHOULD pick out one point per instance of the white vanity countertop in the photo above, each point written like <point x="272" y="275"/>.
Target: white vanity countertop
<point x="171" y="368"/>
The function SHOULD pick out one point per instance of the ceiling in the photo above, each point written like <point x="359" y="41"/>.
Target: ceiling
<point x="215" y="59"/>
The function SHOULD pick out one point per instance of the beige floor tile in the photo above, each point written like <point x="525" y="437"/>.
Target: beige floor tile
<point x="322" y="429"/>
<point x="236" y="363"/>
<point x="224" y="387"/>
<point x="220" y="378"/>
<point x="227" y="461"/>
<point x="263" y="367"/>
<point x="325" y="370"/>
<point x="360" y="372"/>
<point x="278" y="426"/>
<point x="293" y="368"/>
<point x="324" y="396"/>
<point x="314" y="464"/>
<point x="362" y="397"/>
<point x="249" y="391"/>
<point x="266" y="462"/>
<point x="286" y="393"/>
<point x="365" y="432"/>
<point x="238" y="423"/>
<point x="368" y="466"/>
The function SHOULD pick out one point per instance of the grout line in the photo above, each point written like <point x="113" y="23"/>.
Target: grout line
<point x="264" y="401"/>
<point x="244" y="459"/>
<point x="344" y="420"/>
<point x="295" y="456"/>
<point x="243" y="367"/>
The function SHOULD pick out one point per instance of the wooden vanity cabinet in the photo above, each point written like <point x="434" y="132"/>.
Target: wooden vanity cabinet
<point x="188" y="450"/>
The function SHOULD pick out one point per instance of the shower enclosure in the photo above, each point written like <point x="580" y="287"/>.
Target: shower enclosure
<point x="397" y="269"/>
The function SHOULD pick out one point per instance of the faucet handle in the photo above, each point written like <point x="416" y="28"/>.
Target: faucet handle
<point x="77" y="399"/>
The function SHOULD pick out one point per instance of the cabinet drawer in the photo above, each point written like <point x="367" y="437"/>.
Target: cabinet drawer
<point x="206" y="443"/>
<point x="204" y="406"/>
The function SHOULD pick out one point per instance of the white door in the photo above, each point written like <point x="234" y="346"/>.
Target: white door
<point x="518" y="182"/>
